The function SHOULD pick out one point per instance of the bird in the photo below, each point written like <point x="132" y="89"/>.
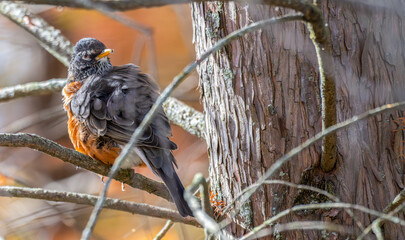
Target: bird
<point x="106" y="103"/>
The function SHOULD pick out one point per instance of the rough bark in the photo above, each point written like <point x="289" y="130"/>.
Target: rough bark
<point x="261" y="98"/>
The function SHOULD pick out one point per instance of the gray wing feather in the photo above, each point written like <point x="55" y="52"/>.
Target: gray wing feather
<point x="115" y="104"/>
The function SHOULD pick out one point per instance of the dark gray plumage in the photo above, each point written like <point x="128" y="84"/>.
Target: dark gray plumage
<point x="112" y="102"/>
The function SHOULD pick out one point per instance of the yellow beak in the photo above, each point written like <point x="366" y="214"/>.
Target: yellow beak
<point x="104" y="53"/>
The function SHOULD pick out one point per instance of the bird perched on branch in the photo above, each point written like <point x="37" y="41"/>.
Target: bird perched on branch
<point x="105" y="104"/>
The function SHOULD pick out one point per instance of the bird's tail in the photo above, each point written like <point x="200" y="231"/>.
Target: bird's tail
<point x="161" y="162"/>
<point x="176" y="190"/>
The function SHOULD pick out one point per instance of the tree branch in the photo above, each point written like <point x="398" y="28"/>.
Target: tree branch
<point x="122" y="5"/>
<point x="302" y="225"/>
<point x="108" y="11"/>
<point x="164" y="230"/>
<point x="49" y="147"/>
<point x="322" y="206"/>
<point x="202" y="216"/>
<point x="32" y="89"/>
<point x="86" y="199"/>
<point x="38" y="117"/>
<point x="398" y="200"/>
<point x="303" y="187"/>
<point x="50" y="38"/>
<point x="393" y="208"/>
<point x="317" y="190"/>
<point x="185" y="117"/>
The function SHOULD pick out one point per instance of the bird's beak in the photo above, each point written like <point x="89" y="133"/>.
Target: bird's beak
<point x="104" y="53"/>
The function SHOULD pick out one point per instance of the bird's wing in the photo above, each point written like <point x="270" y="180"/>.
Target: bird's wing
<point x="115" y="104"/>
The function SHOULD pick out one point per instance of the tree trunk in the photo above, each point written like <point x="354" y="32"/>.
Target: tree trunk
<point x="261" y="98"/>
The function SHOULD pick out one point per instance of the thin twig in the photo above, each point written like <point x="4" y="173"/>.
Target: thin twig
<point x="302" y="225"/>
<point x="246" y="193"/>
<point x="39" y="117"/>
<point x="122" y="5"/>
<point x="398" y="200"/>
<point x="104" y="8"/>
<point x="314" y="225"/>
<point x="164" y="230"/>
<point x="377" y="231"/>
<point x="209" y="224"/>
<point x="86" y="199"/>
<point x="322" y="206"/>
<point x="50" y="38"/>
<point x="204" y="195"/>
<point x="32" y="89"/>
<point x="393" y="208"/>
<point x="318" y="190"/>
<point x="49" y="147"/>
<point x="205" y="199"/>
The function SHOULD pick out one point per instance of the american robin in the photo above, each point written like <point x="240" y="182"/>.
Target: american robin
<point x="106" y="103"/>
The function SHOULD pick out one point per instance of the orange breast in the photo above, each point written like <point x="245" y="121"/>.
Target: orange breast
<point x="82" y="139"/>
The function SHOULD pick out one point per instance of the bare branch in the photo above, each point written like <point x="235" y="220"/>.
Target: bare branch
<point x="108" y="11"/>
<point x="47" y="146"/>
<point x="209" y="224"/>
<point x="318" y="225"/>
<point x="204" y="195"/>
<point x="110" y="203"/>
<point x="35" y="118"/>
<point x="32" y="89"/>
<point x="246" y="193"/>
<point x="377" y="231"/>
<point x="317" y="190"/>
<point x="303" y="225"/>
<point x="50" y="38"/>
<point x="122" y="5"/>
<point x="393" y="208"/>
<point x="398" y="200"/>
<point x="322" y="206"/>
<point x="304" y="187"/>
<point x="164" y="230"/>
<point x="185" y="116"/>
<point x="165" y="94"/>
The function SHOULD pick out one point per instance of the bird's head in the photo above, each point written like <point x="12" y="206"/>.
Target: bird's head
<point x="90" y="57"/>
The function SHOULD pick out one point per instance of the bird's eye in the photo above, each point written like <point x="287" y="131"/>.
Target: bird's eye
<point x="86" y="57"/>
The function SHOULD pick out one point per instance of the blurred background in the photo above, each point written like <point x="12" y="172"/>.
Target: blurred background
<point x="163" y="55"/>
